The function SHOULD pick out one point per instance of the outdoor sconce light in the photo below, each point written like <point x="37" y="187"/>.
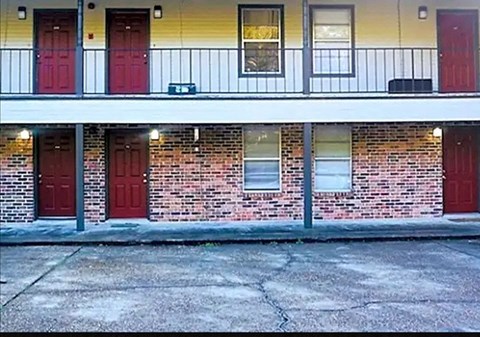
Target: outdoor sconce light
<point x="91" y="6"/>
<point x="154" y="134"/>
<point x="25" y="134"/>
<point x="196" y="134"/>
<point x="437" y="132"/>
<point x="422" y="12"/>
<point x="22" y="13"/>
<point x="157" y="12"/>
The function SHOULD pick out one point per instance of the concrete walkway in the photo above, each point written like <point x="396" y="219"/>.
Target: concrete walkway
<point x="144" y="232"/>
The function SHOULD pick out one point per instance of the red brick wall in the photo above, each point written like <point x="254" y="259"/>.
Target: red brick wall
<point x="94" y="159"/>
<point x="16" y="176"/>
<point x="208" y="185"/>
<point x="397" y="173"/>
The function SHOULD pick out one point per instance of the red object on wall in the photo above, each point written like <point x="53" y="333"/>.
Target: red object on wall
<point x="457" y="39"/>
<point x="460" y="160"/>
<point x="128" y="176"/>
<point x="56" y="173"/>
<point x="128" y="43"/>
<point x="55" y="51"/>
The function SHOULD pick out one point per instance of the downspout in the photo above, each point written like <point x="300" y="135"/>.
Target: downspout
<point x="400" y="43"/>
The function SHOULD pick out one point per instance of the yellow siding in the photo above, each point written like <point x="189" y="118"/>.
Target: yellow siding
<point x="210" y="23"/>
<point x="194" y="23"/>
<point x="16" y="33"/>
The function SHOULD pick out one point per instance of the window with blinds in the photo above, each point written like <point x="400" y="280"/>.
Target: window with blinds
<point x="261" y="39"/>
<point x="333" y="159"/>
<point x="261" y="159"/>
<point x="332" y="41"/>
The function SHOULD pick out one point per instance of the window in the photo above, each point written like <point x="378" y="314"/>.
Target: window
<point x="261" y="35"/>
<point x="261" y="159"/>
<point x="333" y="159"/>
<point x="332" y="40"/>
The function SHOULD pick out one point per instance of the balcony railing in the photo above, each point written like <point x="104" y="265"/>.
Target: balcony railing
<point x="217" y="71"/>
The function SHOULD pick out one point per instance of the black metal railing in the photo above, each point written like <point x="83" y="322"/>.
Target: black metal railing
<point x="235" y="71"/>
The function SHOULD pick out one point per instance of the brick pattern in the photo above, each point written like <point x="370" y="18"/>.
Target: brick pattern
<point x="95" y="174"/>
<point x="397" y="173"/>
<point x="208" y="185"/>
<point x="16" y="176"/>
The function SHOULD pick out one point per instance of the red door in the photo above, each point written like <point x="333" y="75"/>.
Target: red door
<point x="128" y="43"/>
<point x="457" y="38"/>
<point x="128" y="174"/>
<point x="461" y="170"/>
<point x="55" y="54"/>
<point x="56" y="173"/>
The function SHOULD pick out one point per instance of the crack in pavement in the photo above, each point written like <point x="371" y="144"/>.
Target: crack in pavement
<point x="458" y="250"/>
<point x="93" y="290"/>
<point x="270" y="301"/>
<point x="369" y="303"/>
<point x="60" y="263"/>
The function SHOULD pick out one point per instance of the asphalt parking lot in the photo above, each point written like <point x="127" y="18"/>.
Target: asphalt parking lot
<point x="375" y="286"/>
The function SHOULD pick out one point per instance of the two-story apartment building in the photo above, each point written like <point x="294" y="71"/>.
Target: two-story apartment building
<point x="203" y="110"/>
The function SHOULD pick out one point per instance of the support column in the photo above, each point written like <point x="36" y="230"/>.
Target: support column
<point x="79" y="177"/>
<point x="79" y="51"/>
<point x="306" y="48"/>
<point x="307" y="175"/>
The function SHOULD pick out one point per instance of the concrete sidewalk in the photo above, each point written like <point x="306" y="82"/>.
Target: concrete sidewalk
<point x="143" y="232"/>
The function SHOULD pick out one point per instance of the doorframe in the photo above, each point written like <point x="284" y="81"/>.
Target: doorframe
<point x="141" y="131"/>
<point x="108" y="13"/>
<point x="476" y="42"/>
<point x="36" y="163"/>
<point x="36" y="132"/>
<point x="36" y="13"/>
<point x="476" y="128"/>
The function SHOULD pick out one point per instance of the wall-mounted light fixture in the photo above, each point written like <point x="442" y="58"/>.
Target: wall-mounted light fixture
<point x="22" y="13"/>
<point x="91" y="6"/>
<point x="25" y="134"/>
<point x="154" y="134"/>
<point x="422" y="12"/>
<point x="437" y="132"/>
<point x="196" y="134"/>
<point x="157" y="12"/>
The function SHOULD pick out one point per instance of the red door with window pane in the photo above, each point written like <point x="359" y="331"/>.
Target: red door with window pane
<point x="457" y="39"/>
<point x="128" y="43"/>
<point x="55" y="53"/>
<point x="56" y="173"/>
<point x="460" y="161"/>
<point x="128" y="177"/>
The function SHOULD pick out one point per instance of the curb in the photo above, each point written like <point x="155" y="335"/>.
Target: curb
<point x="253" y="240"/>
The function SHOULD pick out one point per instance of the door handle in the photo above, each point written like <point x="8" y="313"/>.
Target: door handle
<point x="144" y="181"/>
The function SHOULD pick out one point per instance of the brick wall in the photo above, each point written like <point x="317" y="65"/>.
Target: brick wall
<point x="16" y="176"/>
<point x="94" y="159"/>
<point x="208" y="185"/>
<point x="397" y="173"/>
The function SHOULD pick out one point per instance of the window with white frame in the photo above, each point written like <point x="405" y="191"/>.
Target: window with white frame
<point x="261" y="159"/>
<point x="261" y="39"/>
<point x="333" y="159"/>
<point x="332" y="40"/>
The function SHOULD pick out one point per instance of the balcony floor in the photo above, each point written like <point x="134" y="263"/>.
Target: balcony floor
<point x="246" y="96"/>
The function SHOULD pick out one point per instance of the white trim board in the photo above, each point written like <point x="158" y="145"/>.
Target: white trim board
<point x="226" y="111"/>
